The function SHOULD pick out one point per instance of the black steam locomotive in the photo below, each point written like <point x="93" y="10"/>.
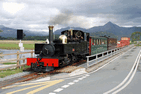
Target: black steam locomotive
<point x="71" y="46"/>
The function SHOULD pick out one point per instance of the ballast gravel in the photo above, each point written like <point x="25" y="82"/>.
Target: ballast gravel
<point x="14" y="76"/>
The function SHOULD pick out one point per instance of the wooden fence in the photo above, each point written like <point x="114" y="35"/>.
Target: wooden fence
<point x="16" y="59"/>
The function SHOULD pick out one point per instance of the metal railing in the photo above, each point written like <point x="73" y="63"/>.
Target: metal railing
<point x="96" y="58"/>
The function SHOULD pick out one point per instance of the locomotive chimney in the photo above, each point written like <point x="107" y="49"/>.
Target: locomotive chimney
<point x="71" y="33"/>
<point x="50" y="34"/>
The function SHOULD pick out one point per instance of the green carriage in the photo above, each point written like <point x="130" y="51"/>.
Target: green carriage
<point x="98" y="44"/>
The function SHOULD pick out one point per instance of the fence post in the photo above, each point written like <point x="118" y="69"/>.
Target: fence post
<point x="18" y="59"/>
<point x="112" y="52"/>
<point x="107" y="55"/>
<point x="23" y="59"/>
<point x="31" y="53"/>
<point x="87" y="62"/>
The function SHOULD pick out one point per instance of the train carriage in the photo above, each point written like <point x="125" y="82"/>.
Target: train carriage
<point x="125" y="41"/>
<point x="98" y="44"/>
<point x="111" y="43"/>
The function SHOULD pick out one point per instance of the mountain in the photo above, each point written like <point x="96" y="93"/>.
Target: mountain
<point x="10" y="32"/>
<point x="1" y="26"/>
<point x="101" y="33"/>
<point x="109" y="29"/>
<point x="114" y="29"/>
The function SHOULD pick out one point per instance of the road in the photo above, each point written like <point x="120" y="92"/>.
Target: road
<point x="96" y="82"/>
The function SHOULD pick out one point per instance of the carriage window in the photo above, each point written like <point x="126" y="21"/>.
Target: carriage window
<point x="99" y="41"/>
<point x="95" y="41"/>
<point x="92" y="41"/>
<point x="102" y="42"/>
<point x="105" y="41"/>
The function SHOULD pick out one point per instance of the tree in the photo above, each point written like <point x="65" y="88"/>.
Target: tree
<point x="135" y="36"/>
<point x="1" y="30"/>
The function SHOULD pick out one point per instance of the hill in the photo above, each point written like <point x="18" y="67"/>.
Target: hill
<point x="10" y="32"/>
<point x="114" y="29"/>
<point x="109" y="29"/>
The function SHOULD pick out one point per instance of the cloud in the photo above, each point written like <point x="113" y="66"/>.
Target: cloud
<point x="37" y="15"/>
<point x="12" y="7"/>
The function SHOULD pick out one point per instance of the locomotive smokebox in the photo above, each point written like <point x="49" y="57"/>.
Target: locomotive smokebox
<point x="50" y="34"/>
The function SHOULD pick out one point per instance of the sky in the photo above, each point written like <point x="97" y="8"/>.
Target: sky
<point x="37" y="15"/>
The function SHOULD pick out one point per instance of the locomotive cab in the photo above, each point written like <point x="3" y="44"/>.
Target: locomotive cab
<point x="75" y="35"/>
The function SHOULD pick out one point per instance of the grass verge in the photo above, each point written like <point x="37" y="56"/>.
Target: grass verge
<point x="138" y="44"/>
<point x="8" y="72"/>
<point x="8" y="63"/>
<point x="16" y="46"/>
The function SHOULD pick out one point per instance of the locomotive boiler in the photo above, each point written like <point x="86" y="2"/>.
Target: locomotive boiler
<point x="71" y="46"/>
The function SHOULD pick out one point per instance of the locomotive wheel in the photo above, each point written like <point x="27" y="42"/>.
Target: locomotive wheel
<point x="61" y="64"/>
<point x="73" y="58"/>
<point x="84" y="57"/>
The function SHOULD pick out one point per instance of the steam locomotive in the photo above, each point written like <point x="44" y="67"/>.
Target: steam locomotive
<point x="71" y="46"/>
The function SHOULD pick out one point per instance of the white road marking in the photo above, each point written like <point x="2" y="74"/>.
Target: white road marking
<point x="65" y="86"/>
<point x="75" y="80"/>
<point x="128" y="78"/>
<point x="84" y="77"/>
<point x="58" y="90"/>
<point x="80" y="78"/>
<point x="71" y="83"/>
<point x="87" y="75"/>
<point x="52" y="93"/>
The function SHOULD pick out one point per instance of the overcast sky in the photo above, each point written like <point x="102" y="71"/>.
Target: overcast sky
<point x="38" y="14"/>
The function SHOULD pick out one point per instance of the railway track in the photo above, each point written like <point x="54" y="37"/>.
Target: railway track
<point x="35" y="75"/>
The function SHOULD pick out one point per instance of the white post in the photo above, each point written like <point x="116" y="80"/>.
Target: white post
<point x="87" y="62"/>
<point x="96" y="58"/>
<point x="21" y="50"/>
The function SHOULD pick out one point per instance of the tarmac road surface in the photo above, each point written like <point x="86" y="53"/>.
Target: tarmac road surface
<point x="98" y="82"/>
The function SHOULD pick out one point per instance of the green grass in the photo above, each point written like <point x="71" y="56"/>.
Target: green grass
<point x="8" y="72"/>
<point x="28" y="46"/>
<point x="138" y="44"/>
<point x="15" y="46"/>
<point x="8" y="63"/>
